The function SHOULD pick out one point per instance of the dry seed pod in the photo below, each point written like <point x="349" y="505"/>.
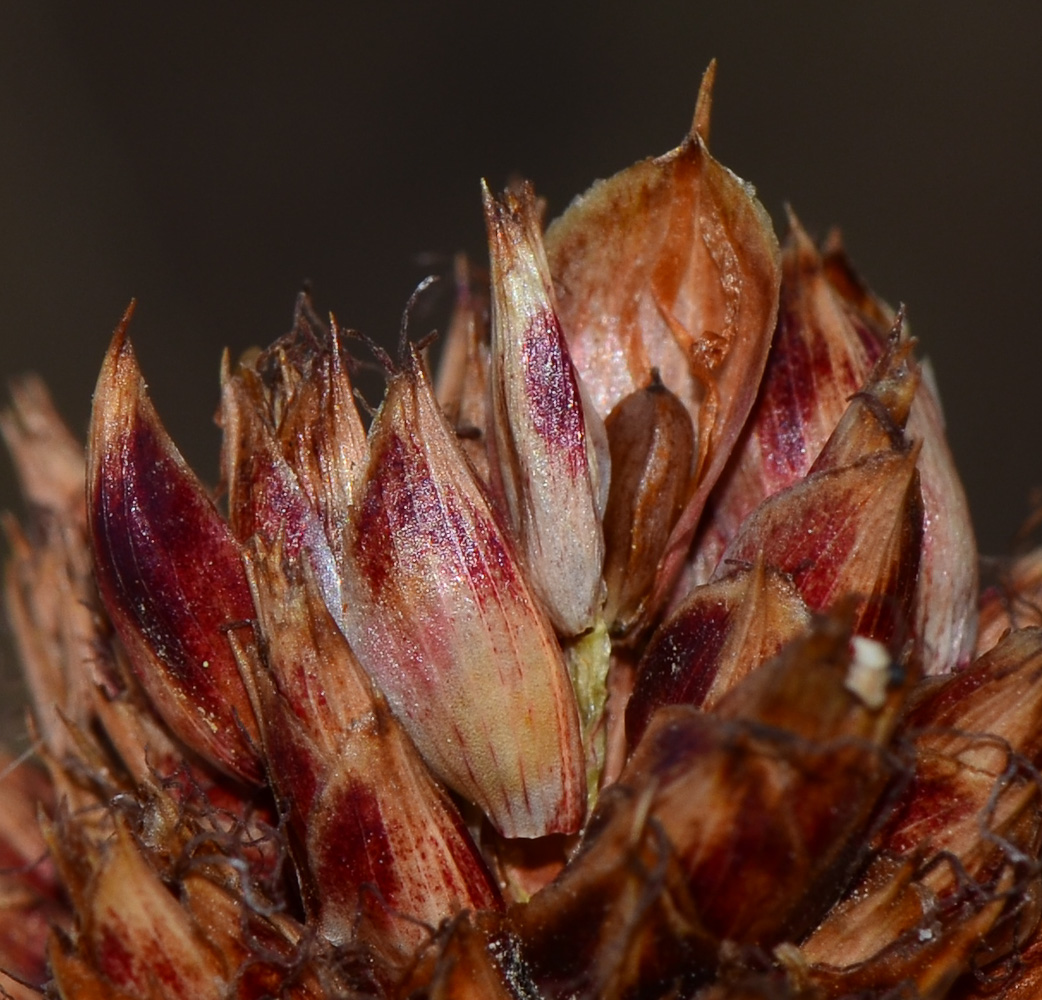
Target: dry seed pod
<point x="384" y="851"/>
<point x="550" y="444"/>
<point x="652" y="445"/>
<point x="440" y="615"/>
<point x="671" y="264"/>
<point x="721" y="633"/>
<point x="168" y="569"/>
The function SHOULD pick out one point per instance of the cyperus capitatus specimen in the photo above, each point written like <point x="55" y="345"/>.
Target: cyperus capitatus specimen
<point x="634" y="656"/>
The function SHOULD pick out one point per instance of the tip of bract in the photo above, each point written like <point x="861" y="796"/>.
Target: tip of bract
<point x="704" y="105"/>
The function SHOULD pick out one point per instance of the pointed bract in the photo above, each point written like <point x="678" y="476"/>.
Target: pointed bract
<point x="322" y="436"/>
<point x="550" y="443"/>
<point x="721" y="633"/>
<point x="854" y="524"/>
<point x="830" y="333"/>
<point x="440" y="615"/>
<point x="168" y="569"/>
<point x="462" y="383"/>
<point x="265" y="497"/>
<point x="343" y="762"/>
<point x="671" y="264"/>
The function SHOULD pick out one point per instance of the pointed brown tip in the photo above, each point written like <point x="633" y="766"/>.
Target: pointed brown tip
<point x="800" y="241"/>
<point x="833" y="242"/>
<point x="120" y="353"/>
<point x="120" y="389"/>
<point x="488" y="200"/>
<point x="704" y="105"/>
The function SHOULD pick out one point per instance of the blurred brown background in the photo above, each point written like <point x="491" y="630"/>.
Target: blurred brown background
<point x="208" y="158"/>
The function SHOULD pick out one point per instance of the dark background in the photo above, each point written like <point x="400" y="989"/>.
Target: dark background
<point x="207" y="159"/>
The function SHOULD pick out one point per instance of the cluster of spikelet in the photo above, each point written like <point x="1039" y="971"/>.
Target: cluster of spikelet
<point x="640" y="654"/>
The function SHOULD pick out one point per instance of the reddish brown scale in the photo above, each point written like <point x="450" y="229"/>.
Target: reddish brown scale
<point x="173" y="567"/>
<point x="786" y="398"/>
<point x="692" y="647"/>
<point x="125" y="967"/>
<point x="886" y="615"/>
<point x="824" y="544"/>
<point x="401" y="499"/>
<point x="296" y="764"/>
<point x="927" y="809"/>
<point x="942" y="704"/>
<point x="356" y="842"/>
<point x="553" y="392"/>
<point x="374" y="554"/>
<point x="276" y="506"/>
<point x="789" y="397"/>
<point x="115" y="960"/>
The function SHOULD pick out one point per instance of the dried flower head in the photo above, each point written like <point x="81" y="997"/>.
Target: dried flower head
<point x="634" y="655"/>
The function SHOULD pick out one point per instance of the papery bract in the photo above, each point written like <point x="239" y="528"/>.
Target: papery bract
<point x="384" y="851"/>
<point x="671" y="264"/>
<point x="440" y="615"/>
<point x="550" y="444"/>
<point x="168" y="569"/>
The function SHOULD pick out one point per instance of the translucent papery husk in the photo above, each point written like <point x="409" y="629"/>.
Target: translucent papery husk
<point x="854" y="525"/>
<point x="439" y="613"/>
<point x="671" y="265"/>
<point x="383" y="853"/>
<point x="550" y="448"/>
<point x="831" y="331"/>
<point x="168" y="569"/>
